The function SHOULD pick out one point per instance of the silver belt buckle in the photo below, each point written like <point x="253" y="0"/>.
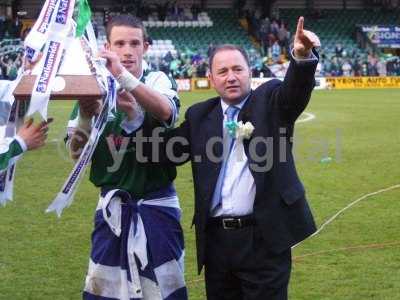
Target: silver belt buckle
<point x="226" y="226"/>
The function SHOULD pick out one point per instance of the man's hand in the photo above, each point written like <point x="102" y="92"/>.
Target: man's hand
<point x="127" y="103"/>
<point x="34" y="136"/>
<point x="89" y="108"/>
<point x="304" y="41"/>
<point x="113" y="62"/>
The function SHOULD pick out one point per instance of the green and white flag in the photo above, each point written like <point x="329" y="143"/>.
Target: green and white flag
<point x="83" y="16"/>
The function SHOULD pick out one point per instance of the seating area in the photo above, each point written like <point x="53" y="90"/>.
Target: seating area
<point x="8" y="46"/>
<point x="203" y="20"/>
<point x="338" y="26"/>
<point x="184" y="42"/>
<point x="224" y="28"/>
<point x="160" y="48"/>
<point x="340" y="53"/>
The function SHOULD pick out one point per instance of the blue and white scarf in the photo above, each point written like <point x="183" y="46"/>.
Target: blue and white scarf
<point x="137" y="248"/>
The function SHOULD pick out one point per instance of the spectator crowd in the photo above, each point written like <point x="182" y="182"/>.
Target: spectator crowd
<point x="345" y="62"/>
<point x="272" y="34"/>
<point x="187" y="63"/>
<point x="270" y="61"/>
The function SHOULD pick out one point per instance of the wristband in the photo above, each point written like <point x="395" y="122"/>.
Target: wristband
<point x="127" y="81"/>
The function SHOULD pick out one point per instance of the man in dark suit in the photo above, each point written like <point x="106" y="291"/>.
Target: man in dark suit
<point x="250" y="206"/>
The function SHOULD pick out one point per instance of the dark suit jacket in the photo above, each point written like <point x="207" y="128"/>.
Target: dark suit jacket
<point x="280" y="206"/>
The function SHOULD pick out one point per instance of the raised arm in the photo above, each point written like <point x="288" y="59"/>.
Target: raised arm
<point x="151" y="100"/>
<point x="304" y="41"/>
<point x="294" y="93"/>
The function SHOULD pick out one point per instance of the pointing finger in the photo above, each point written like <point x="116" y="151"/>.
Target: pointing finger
<point x="300" y="26"/>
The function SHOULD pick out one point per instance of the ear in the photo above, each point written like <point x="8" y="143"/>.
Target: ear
<point x="145" y="47"/>
<point x="107" y="46"/>
<point x="210" y="78"/>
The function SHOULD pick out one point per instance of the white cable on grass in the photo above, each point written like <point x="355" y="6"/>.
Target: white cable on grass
<point x="330" y="220"/>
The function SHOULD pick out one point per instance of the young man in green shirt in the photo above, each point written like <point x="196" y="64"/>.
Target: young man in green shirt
<point x="137" y="243"/>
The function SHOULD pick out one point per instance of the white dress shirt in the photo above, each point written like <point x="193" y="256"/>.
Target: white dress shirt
<point x="238" y="188"/>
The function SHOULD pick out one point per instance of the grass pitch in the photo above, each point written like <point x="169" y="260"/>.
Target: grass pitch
<point x="354" y="257"/>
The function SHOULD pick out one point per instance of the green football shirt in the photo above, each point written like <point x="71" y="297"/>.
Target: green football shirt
<point x="114" y="162"/>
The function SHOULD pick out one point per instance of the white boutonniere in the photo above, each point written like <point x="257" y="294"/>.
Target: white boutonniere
<point x="244" y="131"/>
<point x="240" y="130"/>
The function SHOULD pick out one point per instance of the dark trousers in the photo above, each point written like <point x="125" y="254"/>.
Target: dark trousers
<point x="239" y="267"/>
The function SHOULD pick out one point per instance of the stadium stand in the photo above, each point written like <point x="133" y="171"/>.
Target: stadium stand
<point x="180" y="45"/>
<point x="220" y="27"/>
<point x="182" y="33"/>
<point x="339" y="25"/>
<point x="341" y="53"/>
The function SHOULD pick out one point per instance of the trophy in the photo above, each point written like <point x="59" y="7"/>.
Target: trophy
<point x="75" y="79"/>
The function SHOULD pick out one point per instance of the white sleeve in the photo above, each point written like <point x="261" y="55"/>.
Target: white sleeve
<point x="133" y="125"/>
<point x="311" y="58"/>
<point x="167" y="87"/>
<point x="21" y="142"/>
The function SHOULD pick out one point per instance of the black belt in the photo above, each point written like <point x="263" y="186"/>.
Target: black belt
<point x="231" y="222"/>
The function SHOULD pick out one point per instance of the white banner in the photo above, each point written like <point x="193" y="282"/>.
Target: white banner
<point x="41" y="90"/>
<point x="53" y="27"/>
<point x="66" y="196"/>
<point x="14" y="120"/>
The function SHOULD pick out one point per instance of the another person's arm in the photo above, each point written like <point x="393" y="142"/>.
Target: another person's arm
<point x="29" y="137"/>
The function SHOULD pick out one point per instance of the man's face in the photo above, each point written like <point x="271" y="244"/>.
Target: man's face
<point x="230" y="76"/>
<point x="127" y="43"/>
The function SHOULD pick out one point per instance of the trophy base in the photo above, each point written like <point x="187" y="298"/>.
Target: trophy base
<point x="65" y="87"/>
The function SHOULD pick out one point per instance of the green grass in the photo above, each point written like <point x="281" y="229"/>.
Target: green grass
<point x="42" y="257"/>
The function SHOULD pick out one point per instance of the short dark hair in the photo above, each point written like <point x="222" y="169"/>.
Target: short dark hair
<point x="223" y="47"/>
<point x="128" y="21"/>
